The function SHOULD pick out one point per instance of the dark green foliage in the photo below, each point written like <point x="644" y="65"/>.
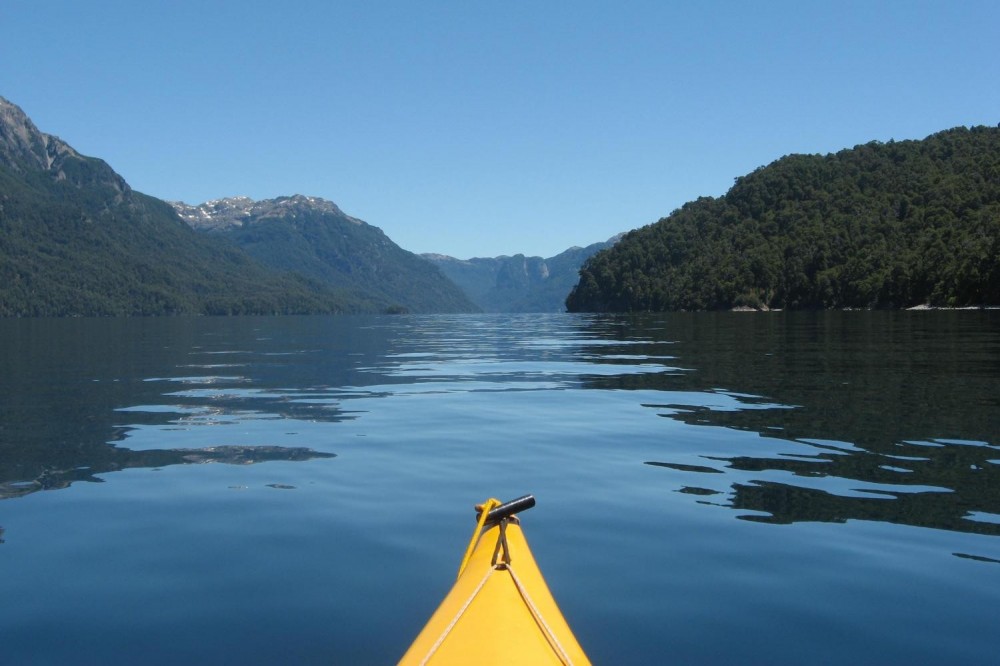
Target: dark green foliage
<point x="81" y="243"/>
<point x="75" y="240"/>
<point x="334" y="249"/>
<point x="883" y="225"/>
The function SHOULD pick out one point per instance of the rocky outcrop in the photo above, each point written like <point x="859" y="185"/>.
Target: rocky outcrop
<point x="23" y="148"/>
<point x="229" y="212"/>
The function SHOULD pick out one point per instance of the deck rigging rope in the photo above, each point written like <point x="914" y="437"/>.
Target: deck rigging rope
<point x="458" y="616"/>
<point x="546" y="629"/>
<point x="495" y="565"/>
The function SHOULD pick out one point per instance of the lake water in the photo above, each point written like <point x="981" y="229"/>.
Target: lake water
<point x="712" y="488"/>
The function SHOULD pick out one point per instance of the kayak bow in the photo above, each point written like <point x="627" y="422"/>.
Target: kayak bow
<point x="500" y="610"/>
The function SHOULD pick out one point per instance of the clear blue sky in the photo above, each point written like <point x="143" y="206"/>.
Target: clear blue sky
<point x="479" y="128"/>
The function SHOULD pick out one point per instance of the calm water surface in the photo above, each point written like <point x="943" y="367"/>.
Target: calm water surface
<point x="712" y="488"/>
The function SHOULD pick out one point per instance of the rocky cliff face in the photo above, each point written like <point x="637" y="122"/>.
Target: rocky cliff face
<point x="23" y="148"/>
<point x="518" y="283"/>
<point x="230" y="212"/>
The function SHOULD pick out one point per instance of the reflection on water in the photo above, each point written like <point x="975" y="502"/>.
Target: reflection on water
<point x="81" y="398"/>
<point x="953" y="487"/>
<point x="120" y="458"/>
<point x="889" y="417"/>
<point x="779" y="485"/>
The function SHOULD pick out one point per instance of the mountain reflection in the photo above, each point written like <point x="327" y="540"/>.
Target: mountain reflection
<point x="784" y="417"/>
<point x="119" y="459"/>
<point x="890" y="417"/>
<point x="81" y="397"/>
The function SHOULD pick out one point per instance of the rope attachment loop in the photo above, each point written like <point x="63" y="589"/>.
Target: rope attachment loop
<point x="487" y="506"/>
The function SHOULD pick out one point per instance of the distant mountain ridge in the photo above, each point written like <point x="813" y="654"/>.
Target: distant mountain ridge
<point x="519" y="283"/>
<point x="315" y="238"/>
<point x="223" y="214"/>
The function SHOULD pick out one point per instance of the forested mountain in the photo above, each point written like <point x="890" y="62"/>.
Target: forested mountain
<point x="313" y="237"/>
<point x="75" y="239"/>
<point x="518" y="283"/>
<point x="882" y="225"/>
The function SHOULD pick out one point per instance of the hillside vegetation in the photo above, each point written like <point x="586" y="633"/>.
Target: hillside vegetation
<point x="882" y="225"/>
<point x="94" y="250"/>
<point x="312" y="237"/>
<point x="76" y="240"/>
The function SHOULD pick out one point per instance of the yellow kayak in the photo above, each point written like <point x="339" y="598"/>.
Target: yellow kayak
<point x="500" y="610"/>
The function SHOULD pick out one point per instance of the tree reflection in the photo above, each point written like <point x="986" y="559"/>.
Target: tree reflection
<point x="119" y="459"/>
<point x="72" y="391"/>
<point x="901" y="410"/>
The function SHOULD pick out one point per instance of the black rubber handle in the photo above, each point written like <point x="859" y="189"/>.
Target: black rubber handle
<point x="508" y="509"/>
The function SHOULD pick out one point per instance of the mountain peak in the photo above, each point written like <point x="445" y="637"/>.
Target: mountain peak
<point x="314" y="238"/>
<point x="228" y="212"/>
<point x="24" y="148"/>
<point x="22" y="145"/>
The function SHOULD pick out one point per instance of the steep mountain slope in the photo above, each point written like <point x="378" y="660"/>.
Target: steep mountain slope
<point x="313" y="237"/>
<point x="888" y="225"/>
<point x="518" y="283"/>
<point x="75" y="239"/>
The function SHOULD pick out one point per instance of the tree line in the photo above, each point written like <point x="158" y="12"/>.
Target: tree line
<point x="881" y="225"/>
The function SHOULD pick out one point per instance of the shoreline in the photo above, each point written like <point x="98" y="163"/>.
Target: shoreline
<point x="915" y="308"/>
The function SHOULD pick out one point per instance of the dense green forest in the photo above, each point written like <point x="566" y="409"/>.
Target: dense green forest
<point x="76" y="240"/>
<point x="882" y="225"/>
<point x="83" y="246"/>
<point x="313" y="238"/>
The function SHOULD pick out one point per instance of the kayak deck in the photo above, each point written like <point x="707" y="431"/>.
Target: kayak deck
<point x="500" y="610"/>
